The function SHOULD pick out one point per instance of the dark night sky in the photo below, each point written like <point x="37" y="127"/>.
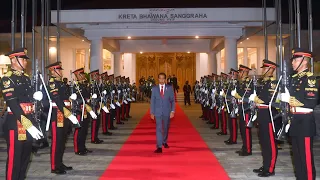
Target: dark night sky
<point x="5" y="8"/>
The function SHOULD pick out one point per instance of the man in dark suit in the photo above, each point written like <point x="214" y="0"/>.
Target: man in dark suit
<point x="162" y="109"/>
<point x="175" y="83"/>
<point x="187" y="91"/>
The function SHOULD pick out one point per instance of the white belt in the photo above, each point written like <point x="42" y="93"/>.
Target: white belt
<point x="301" y="110"/>
<point x="262" y="105"/>
<point x="67" y="103"/>
<point x="9" y="110"/>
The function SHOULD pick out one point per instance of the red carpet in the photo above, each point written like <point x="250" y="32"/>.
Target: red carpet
<point x="188" y="157"/>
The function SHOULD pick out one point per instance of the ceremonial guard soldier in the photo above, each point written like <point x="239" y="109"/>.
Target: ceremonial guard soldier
<point x="266" y="123"/>
<point x="123" y="98"/>
<point x="233" y="108"/>
<point x="129" y="97"/>
<point x="242" y="94"/>
<point x="222" y="104"/>
<point x="117" y="100"/>
<point x="302" y="97"/>
<point x="214" y="97"/>
<point x="96" y="105"/>
<point x="60" y="111"/>
<point x="111" y="92"/>
<point x="19" y="127"/>
<point x="105" y="117"/>
<point x="81" y="96"/>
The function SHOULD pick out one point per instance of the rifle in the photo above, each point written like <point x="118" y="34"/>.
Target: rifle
<point x="225" y="97"/>
<point x="252" y="104"/>
<point x="37" y="107"/>
<point x="83" y="102"/>
<point x="284" y="107"/>
<point x="234" y="102"/>
<point x="74" y="103"/>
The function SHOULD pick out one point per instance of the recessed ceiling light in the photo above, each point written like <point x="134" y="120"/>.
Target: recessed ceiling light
<point x="129" y="37"/>
<point x="240" y="42"/>
<point x="141" y="52"/>
<point x="188" y="51"/>
<point x="247" y="38"/>
<point x="82" y="40"/>
<point x="197" y="37"/>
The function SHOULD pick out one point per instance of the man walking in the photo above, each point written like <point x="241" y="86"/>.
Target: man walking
<point x="187" y="91"/>
<point x="162" y="109"/>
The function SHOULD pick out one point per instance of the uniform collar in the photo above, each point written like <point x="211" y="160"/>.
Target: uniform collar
<point x="301" y="74"/>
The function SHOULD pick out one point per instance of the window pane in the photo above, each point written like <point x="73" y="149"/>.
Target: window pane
<point x="106" y="60"/>
<point x="240" y="56"/>
<point x="252" y="57"/>
<point x="80" y="58"/>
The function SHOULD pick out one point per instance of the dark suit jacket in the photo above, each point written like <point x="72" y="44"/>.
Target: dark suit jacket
<point x="162" y="105"/>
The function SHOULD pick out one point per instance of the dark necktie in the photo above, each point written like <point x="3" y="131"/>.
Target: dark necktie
<point x="161" y="91"/>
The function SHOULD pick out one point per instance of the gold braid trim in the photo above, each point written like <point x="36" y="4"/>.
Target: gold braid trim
<point x="26" y="123"/>
<point x="88" y="108"/>
<point x="237" y="96"/>
<point x="258" y="100"/>
<point x="66" y="112"/>
<point x="294" y="102"/>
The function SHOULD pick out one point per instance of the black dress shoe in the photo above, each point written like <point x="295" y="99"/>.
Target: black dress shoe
<point x="165" y="145"/>
<point x="120" y="122"/>
<point x="107" y="133"/>
<point x="266" y="174"/>
<point x="260" y="170"/>
<point x="158" y="150"/>
<point x="221" y="133"/>
<point x="245" y="153"/>
<point x="67" y="168"/>
<point x="81" y="153"/>
<point x="88" y="151"/>
<point x="44" y="145"/>
<point x="227" y="141"/>
<point x="230" y="143"/>
<point x="58" y="171"/>
<point x="239" y="151"/>
<point x="124" y="119"/>
<point x="98" y="141"/>
<point x="113" y="128"/>
<point x="129" y="117"/>
<point x="209" y="122"/>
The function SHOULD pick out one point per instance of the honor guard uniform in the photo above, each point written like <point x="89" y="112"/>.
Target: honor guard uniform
<point x="19" y="127"/>
<point x="266" y="131"/>
<point x="242" y="94"/>
<point x="95" y="104"/>
<point x="82" y="94"/>
<point x="117" y="100"/>
<point x="222" y="104"/>
<point x="60" y="111"/>
<point x="111" y="91"/>
<point x="302" y="97"/>
<point x="214" y="96"/>
<point x="129" y="97"/>
<point x="105" y="117"/>
<point x="123" y="100"/>
<point x="233" y="109"/>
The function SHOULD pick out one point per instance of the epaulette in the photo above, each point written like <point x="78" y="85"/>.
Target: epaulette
<point x="272" y="78"/>
<point x="51" y="80"/>
<point x="309" y="74"/>
<point x="8" y="74"/>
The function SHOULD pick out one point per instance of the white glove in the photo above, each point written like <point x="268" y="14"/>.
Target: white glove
<point x="105" y="109"/>
<point x="128" y="99"/>
<point x="38" y="96"/>
<point x="285" y="97"/>
<point x="221" y="93"/>
<point x="73" y="119"/>
<point x="254" y="117"/>
<point x="233" y="92"/>
<point x="35" y="133"/>
<point x="132" y="90"/>
<point x="213" y="91"/>
<point x="94" y="96"/>
<point x="206" y="91"/>
<point x="104" y="92"/>
<point x="128" y="89"/>
<point x="112" y="106"/>
<point x="113" y="91"/>
<point x="119" y="91"/>
<point x="252" y="96"/>
<point x="118" y="104"/>
<point x="125" y="101"/>
<point x="93" y="115"/>
<point x="133" y="99"/>
<point x="73" y="96"/>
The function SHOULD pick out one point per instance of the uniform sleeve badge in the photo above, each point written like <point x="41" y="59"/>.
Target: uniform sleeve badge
<point x="311" y="83"/>
<point x="52" y="85"/>
<point x="6" y="84"/>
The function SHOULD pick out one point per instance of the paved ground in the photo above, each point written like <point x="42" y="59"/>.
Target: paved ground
<point x="92" y="166"/>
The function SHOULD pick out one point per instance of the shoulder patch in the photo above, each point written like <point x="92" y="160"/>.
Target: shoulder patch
<point x="8" y="74"/>
<point x="309" y="74"/>
<point x="51" y="80"/>
<point x="272" y="78"/>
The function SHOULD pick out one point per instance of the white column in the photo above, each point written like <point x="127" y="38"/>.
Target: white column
<point x="130" y="66"/>
<point x="117" y="64"/>
<point x="212" y="62"/>
<point x="231" y="59"/>
<point x="218" y="58"/>
<point x="87" y="61"/>
<point x="96" y="58"/>
<point x="201" y="65"/>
